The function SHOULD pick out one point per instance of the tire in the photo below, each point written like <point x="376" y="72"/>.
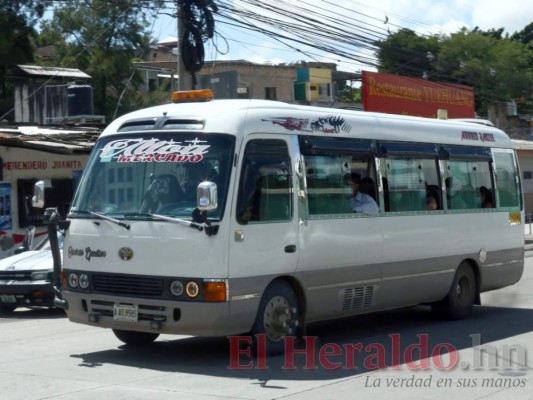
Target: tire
<point x="459" y="302"/>
<point x="7" y="308"/>
<point x="277" y="317"/>
<point x="133" y="338"/>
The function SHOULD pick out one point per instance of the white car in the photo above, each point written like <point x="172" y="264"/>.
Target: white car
<point x="26" y="278"/>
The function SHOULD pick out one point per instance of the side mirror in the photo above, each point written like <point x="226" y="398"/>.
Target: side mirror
<point x="206" y="196"/>
<point x="37" y="200"/>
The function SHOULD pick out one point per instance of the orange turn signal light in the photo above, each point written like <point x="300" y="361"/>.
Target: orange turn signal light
<point x="214" y="291"/>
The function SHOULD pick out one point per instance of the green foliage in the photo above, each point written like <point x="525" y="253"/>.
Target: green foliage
<point x="348" y="93"/>
<point x="406" y="53"/>
<point x="101" y="38"/>
<point x="17" y="19"/>
<point x="525" y="36"/>
<point x="497" y="66"/>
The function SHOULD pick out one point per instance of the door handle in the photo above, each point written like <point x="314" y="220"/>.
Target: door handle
<point x="291" y="248"/>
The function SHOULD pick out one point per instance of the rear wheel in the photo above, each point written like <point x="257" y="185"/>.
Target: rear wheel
<point x="459" y="302"/>
<point x="277" y="317"/>
<point x="133" y="338"/>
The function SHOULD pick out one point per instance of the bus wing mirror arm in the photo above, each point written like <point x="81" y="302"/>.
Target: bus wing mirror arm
<point x="52" y="219"/>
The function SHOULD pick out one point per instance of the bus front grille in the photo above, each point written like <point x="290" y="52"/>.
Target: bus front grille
<point x="127" y="285"/>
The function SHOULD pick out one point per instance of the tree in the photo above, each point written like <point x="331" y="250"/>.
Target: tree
<point x="494" y="33"/>
<point x="498" y="69"/>
<point x="525" y="36"/>
<point x="348" y="93"/>
<point x="525" y="101"/>
<point x="406" y="53"/>
<point x="102" y="38"/>
<point x="17" y="19"/>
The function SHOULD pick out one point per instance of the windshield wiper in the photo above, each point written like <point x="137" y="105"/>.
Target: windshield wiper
<point x="179" y="221"/>
<point x="116" y="221"/>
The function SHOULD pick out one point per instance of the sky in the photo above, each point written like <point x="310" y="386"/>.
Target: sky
<point x="426" y="17"/>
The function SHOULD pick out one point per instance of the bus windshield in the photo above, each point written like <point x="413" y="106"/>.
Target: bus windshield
<point x="136" y="176"/>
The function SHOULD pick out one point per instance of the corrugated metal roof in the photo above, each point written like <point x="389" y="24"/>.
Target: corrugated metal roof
<point x="53" y="71"/>
<point x="55" y="140"/>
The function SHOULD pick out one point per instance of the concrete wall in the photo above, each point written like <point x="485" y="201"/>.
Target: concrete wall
<point x="259" y="77"/>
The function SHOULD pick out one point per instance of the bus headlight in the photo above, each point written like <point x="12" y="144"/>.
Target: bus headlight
<point x="192" y="289"/>
<point x="73" y="280"/>
<point x="84" y="281"/>
<point x="176" y="288"/>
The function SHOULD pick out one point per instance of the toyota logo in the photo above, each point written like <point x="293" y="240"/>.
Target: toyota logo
<point x="125" y="253"/>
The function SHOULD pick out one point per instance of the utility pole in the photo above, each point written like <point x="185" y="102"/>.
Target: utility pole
<point x="184" y="79"/>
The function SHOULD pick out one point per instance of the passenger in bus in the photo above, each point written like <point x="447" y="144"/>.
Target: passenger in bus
<point x="431" y="203"/>
<point x="361" y="202"/>
<point x="368" y="187"/>
<point x="486" y="197"/>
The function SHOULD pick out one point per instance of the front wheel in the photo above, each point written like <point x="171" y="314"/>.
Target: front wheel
<point x="277" y="317"/>
<point x="133" y="338"/>
<point x="459" y="302"/>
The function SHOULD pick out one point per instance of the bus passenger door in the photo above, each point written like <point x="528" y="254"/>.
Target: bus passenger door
<point x="264" y="234"/>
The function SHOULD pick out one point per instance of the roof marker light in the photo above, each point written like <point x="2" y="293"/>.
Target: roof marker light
<point x="192" y="95"/>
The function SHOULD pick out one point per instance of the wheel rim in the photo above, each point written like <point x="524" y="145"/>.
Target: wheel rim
<point x="462" y="290"/>
<point x="278" y="318"/>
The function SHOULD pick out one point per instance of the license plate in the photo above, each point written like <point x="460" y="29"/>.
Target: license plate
<point x="8" y="298"/>
<point x="125" y="312"/>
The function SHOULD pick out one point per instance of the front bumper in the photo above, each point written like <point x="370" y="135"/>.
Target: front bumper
<point x="27" y="293"/>
<point x="159" y="316"/>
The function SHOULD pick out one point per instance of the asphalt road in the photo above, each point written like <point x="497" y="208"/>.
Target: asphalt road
<point x="396" y="355"/>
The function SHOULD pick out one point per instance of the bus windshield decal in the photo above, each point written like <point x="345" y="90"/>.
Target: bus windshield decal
<point x="154" y="150"/>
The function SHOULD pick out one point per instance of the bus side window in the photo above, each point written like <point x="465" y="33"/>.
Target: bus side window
<point x="406" y="187"/>
<point x="265" y="186"/>
<point x="469" y="184"/>
<point x="327" y="192"/>
<point x="275" y="200"/>
<point x="408" y="184"/>
<point x="508" y="186"/>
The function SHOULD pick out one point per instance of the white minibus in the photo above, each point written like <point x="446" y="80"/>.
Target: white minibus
<point x="222" y="217"/>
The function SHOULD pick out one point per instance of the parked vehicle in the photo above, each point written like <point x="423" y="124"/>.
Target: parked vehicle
<point x="26" y="278"/>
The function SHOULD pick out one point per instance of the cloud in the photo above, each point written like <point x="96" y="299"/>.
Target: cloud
<point x="512" y="15"/>
<point x="448" y="16"/>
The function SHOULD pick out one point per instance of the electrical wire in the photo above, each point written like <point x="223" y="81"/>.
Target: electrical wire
<point x="199" y="26"/>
